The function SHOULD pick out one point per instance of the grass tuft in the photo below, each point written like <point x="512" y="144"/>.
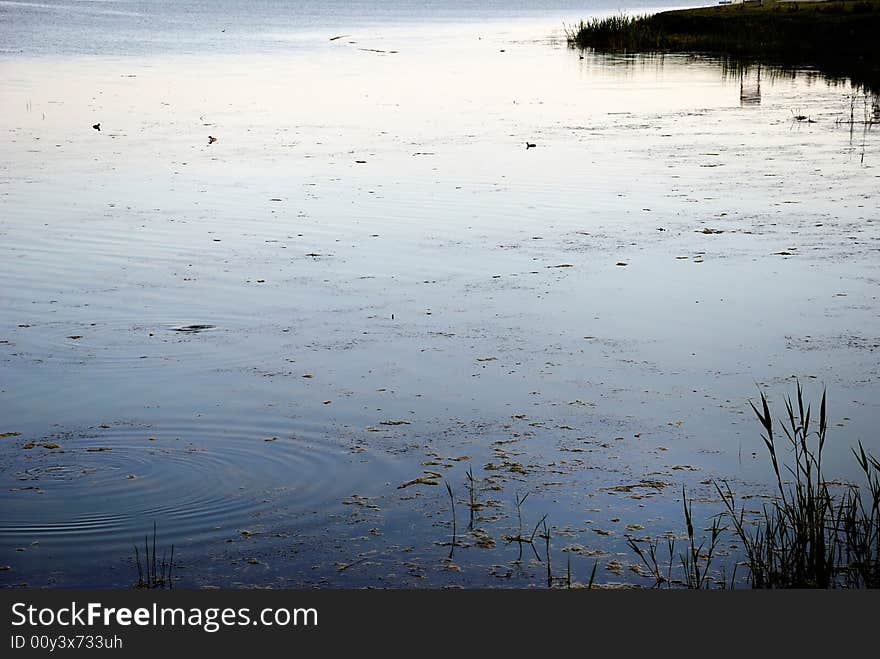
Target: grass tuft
<point x="813" y="534"/>
<point x="154" y="573"/>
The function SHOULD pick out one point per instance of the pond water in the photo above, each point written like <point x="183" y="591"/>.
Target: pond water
<point x="280" y="345"/>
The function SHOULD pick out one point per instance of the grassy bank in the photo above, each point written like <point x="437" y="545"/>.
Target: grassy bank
<point x="838" y="37"/>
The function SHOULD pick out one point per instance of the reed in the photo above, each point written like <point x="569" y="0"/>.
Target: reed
<point x="454" y="525"/>
<point x="545" y="535"/>
<point x="154" y="573"/>
<point x="838" y="37"/>
<point x="472" y="496"/>
<point x="696" y="561"/>
<point x="812" y="534"/>
<point x="693" y="569"/>
<point x="520" y="538"/>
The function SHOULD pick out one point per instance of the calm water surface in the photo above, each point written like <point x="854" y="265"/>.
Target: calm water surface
<point x="259" y="343"/>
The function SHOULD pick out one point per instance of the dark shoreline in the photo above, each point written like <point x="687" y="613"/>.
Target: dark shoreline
<point x="837" y="37"/>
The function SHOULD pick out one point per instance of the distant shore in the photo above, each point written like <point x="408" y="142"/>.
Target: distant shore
<point x="837" y="37"/>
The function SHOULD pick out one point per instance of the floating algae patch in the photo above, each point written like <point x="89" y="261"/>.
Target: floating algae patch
<point x="429" y="478"/>
<point x="507" y="465"/>
<point x="581" y="550"/>
<point x="653" y="486"/>
<point x="483" y="539"/>
<point x="360" y="501"/>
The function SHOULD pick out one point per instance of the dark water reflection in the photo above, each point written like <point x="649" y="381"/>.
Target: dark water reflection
<point x="843" y="74"/>
<point x="860" y="81"/>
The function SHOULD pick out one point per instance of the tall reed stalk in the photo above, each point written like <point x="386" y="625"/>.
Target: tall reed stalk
<point x="812" y="534"/>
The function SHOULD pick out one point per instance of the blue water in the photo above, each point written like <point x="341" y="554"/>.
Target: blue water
<point x="394" y="287"/>
<point x="145" y="27"/>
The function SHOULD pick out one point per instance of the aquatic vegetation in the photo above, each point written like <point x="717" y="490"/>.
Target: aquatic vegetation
<point x="836" y="37"/>
<point x="454" y="525"/>
<point x="473" y="506"/>
<point x="623" y="32"/>
<point x="815" y="533"/>
<point x="694" y="566"/>
<point x="522" y="539"/>
<point x="154" y="573"/>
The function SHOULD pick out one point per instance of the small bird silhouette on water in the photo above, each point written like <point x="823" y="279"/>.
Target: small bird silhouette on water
<point x="529" y="145"/>
<point x="97" y="127"/>
<point x="211" y="139"/>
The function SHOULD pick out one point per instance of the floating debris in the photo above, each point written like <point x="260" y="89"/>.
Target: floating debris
<point x="192" y="329"/>
<point x="508" y="465"/>
<point x="614" y="566"/>
<point x="583" y="551"/>
<point x="430" y="478"/>
<point x="483" y="539"/>
<point x="644" y="483"/>
<point x="344" y="566"/>
<point x="360" y="500"/>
